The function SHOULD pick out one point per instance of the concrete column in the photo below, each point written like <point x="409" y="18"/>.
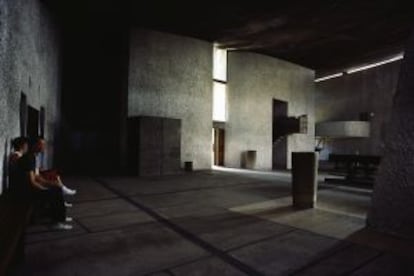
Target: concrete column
<point x="304" y="179"/>
<point x="392" y="208"/>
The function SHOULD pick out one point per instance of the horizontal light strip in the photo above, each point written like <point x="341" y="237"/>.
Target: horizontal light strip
<point x="362" y="68"/>
<point x="329" y="77"/>
<point x="369" y="66"/>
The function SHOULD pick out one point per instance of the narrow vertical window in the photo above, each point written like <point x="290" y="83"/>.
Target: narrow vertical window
<point x="219" y="102"/>
<point x="220" y="64"/>
<point x="219" y="84"/>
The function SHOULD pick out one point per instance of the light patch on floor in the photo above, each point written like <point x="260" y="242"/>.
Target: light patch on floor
<point x="321" y="221"/>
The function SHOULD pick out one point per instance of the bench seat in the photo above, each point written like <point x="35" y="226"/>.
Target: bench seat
<point x="14" y="216"/>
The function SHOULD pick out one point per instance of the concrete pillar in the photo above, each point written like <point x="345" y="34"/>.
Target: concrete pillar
<point x="304" y="179"/>
<point x="392" y="208"/>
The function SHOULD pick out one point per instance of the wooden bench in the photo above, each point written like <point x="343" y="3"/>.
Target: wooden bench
<point x="14" y="216"/>
<point x="359" y="169"/>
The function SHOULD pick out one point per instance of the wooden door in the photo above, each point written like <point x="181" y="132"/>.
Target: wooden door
<point x="218" y="144"/>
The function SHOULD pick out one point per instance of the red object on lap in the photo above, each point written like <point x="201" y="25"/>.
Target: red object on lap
<point x="50" y="175"/>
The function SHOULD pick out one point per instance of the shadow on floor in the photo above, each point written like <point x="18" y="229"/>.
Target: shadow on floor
<point x="169" y="226"/>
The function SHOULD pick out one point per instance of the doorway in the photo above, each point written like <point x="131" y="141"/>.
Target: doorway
<point x="279" y="149"/>
<point x="32" y="129"/>
<point x="23" y="114"/>
<point x="218" y="146"/>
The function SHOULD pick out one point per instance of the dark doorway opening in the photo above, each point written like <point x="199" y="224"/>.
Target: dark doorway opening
<point x="32" y="122"/>
<point x="218" y="146"/>
<point x="42" y="122"/>
<point x="279" y="149"/>
<point x="23" y="114"/>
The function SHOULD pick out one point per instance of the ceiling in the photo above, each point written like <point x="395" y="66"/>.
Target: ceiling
<point x="325" y="35"/>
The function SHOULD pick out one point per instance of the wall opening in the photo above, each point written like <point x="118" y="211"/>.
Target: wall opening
<point x="23" y="114"/>
<point x="279" y="149"/>
<point x="42" y="122"/>
<point x="219" y="102"/>
<point x="218" y="146"/>
<point x="219" y="64"/>
<point x="219" y="84"/>
<point x="32" y="122"/>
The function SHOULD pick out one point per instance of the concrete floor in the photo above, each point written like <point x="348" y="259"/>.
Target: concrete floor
<point x="226" y="222"/>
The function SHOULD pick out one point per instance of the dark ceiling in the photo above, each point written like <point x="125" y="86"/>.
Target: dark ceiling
<point x="325" y="35"/>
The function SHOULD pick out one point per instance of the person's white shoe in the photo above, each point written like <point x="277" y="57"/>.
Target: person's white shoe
<point x="68" y="219"/>
<point x="62" y="226"/>
<point x="67" y="191"/>
<point x="68" y="205"/>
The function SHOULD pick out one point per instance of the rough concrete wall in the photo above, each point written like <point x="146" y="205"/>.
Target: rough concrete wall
<point x="253" y="82"/>
<point x="346" y="97"/>
<point x="392" y="208"/>
<point x="29" y="63"/>
<point x="171" y="76"/>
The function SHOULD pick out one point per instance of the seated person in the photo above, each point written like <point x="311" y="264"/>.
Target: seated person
<point x="50" y="176"/>
<point x="39" y="189"/>
<point x="20" y="147"/>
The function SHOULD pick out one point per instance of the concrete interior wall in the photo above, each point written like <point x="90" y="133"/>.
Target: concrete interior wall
<point x="346" y="97"/>
<point x="254" y="80"/>
<point x="392" y="209"/>
<point x="171" y="76"/>
<point x="29" y="63"/>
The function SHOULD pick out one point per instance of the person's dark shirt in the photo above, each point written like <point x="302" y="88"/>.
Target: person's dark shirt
<point x="20" y="173"/>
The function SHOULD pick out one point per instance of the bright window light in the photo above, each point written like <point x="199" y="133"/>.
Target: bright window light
<point x="220" y="64"/>
<point x="369" y="66"/>
<point x="329" y="77"/>
<point x="219" y="102"/>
